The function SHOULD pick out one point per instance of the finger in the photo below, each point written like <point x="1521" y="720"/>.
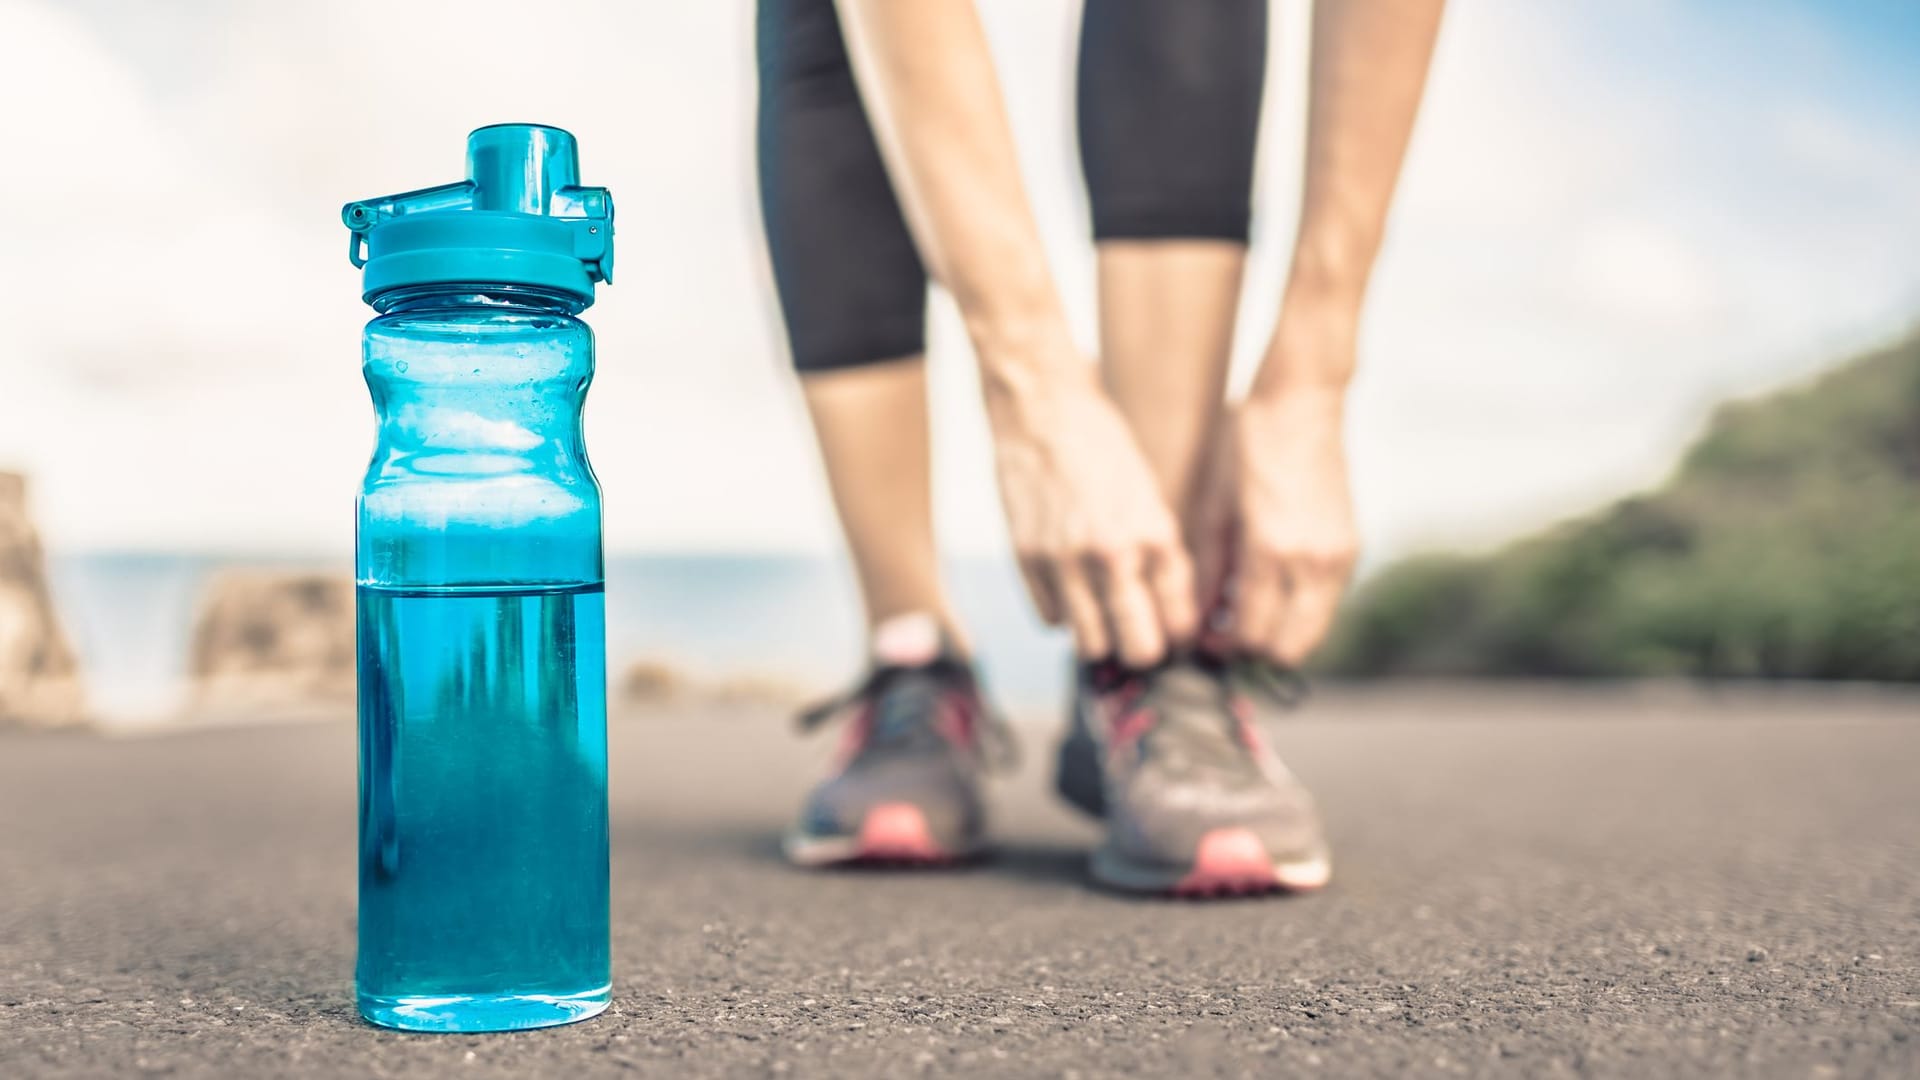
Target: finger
<point x="1218" y="599"/>
<point x="1212" y="562"/>
<point x="1259" y="600"/>
<point x="1170" y="577"/>
<point x="1213" y="542"/>
<point x="1046" y="598"/>
<point x="1216" y="612"/>
<point x="1132" y="617"/>
<point x="1084" y="616"/>
<point x="1310" y="611"/>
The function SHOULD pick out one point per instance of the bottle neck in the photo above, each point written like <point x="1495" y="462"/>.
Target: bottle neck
<point x="507" y="298"/>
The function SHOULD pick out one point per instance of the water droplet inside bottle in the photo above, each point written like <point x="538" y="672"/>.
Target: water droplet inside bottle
<point x="401" y="366"/>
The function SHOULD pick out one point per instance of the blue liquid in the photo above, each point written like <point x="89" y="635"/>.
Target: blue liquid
<point x="483" y="807"/>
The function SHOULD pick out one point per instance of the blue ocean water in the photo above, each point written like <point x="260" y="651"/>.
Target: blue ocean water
<point x="795" y="619"/>
<point x="129" y="617"/>
<point x="483" y="811"/>
<point x="798" y="620"/>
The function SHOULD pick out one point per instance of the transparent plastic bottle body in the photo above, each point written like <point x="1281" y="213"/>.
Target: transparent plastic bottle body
<point x="483" y="795"/>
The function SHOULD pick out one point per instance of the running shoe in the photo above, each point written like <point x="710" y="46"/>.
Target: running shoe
<point x="1194" y="801"/>
<point x="907" y="786"/>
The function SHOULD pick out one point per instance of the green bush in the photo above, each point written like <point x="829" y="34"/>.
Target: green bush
<point x="1786" y="545"/>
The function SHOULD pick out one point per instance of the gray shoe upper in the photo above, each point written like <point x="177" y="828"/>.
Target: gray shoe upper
<point x="922" y="736"/>
<point x="1176" y="754"/>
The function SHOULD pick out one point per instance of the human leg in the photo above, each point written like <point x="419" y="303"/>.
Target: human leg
<point x="1171" y="755"/>
<point x="871" y="425"/>
<point x="853" y="292"/>
<point x="1168" y="109"/>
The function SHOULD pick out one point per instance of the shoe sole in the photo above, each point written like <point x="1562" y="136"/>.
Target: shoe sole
<point x="1227" y="862"/>
<point x="891" y="834"/>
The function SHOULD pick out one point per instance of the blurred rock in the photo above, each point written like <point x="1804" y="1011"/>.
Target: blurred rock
<point x="657" y="682"/>
<point x="767" y="690"/>
<point x="270" y="639"/>
<point x="39" y="679"/>
<point x="650" y="682"/>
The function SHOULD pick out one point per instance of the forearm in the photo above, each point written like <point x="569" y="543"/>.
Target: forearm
<point x="928" y="82"/>
<point x="1369" y="69"/>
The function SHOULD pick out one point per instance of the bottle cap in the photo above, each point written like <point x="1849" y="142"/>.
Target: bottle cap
<point x="519" y="218"/>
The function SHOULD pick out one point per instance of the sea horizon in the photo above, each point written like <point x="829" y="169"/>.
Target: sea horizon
<point x="789" y="620"/>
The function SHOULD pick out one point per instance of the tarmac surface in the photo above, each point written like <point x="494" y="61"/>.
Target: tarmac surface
<point x="1528" y="881"/>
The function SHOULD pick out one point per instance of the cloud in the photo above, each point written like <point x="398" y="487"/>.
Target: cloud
<point x="1604" y="228"/>
<point x="1611" y="216"/>
<point x="1637" y="272"/>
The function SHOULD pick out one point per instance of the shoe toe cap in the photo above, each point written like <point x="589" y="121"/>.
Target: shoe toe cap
<point x="947" y="801"/>
<point x="1167" y="822"/>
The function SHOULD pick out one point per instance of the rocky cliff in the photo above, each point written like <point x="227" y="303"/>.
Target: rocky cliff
<point x="269" y="639"/>
<point x="39" y="679"/>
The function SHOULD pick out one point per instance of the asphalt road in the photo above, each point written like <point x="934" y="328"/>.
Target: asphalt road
<point x="1528" y="882"/>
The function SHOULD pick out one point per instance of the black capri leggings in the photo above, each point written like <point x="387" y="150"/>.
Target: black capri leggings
<point x="1169" y="112"/>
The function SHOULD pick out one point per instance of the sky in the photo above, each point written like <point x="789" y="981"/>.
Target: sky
<point x="1613" y="217"/>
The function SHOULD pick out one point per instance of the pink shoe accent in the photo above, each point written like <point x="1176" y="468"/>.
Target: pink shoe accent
<point x="852" y="738"/>
<point x="957" y="721"/>
<point x="1229" y="862"/>
<point x="898" y="831"/>
<point x="1128" y="728"/>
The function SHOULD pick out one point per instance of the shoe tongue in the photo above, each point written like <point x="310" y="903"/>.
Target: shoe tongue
<point x="905" y="709"/>
<point x="1191" y="704"/>
<point x="1186" y="684"/>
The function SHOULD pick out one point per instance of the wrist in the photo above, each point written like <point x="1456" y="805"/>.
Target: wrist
<point x="1314" y="386"/>
<point x="1024" y="374"/>
<point x="1330" y="269"/>
<point x="1027" y="403"/>
<point x="1300" y="405"/>
<point x="1311" y="356"/>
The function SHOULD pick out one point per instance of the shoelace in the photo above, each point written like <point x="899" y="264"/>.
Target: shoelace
<point x="995" y="737"/>
<point x="1283" y="687"/>
<point x="1254" y="677"/>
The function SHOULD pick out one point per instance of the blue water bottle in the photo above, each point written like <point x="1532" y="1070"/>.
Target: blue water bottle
<point x="483" y="743"/>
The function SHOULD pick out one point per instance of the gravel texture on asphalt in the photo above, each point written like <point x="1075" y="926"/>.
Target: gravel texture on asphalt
<point x="1529" y="881"/>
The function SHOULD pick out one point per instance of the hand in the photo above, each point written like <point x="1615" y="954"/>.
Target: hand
<point x="1099" y="548"/>
<point x="1274" y="532"/>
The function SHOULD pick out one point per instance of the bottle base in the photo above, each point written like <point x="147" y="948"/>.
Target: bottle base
<point x="482" y="1012"/>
